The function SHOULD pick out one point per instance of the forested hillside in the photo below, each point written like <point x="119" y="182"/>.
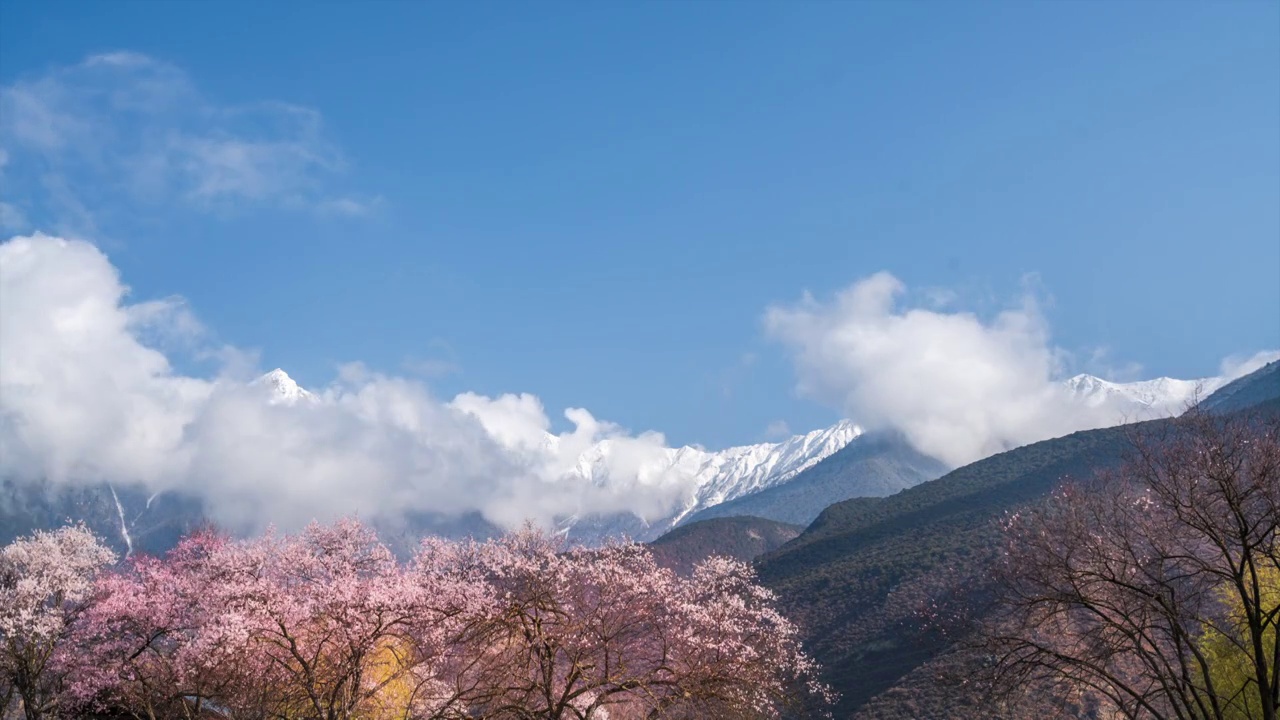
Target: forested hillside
<point x="860" y="577"/>
<point x="869" y="578"/>
<point x="739" y="538"/>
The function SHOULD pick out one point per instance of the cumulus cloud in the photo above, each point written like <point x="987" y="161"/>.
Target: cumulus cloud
<point x="958" y="386"/>
<point x="87" y="394"/>
<point x="122" y="128"/>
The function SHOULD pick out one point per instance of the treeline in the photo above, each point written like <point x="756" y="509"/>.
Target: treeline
<point x="328" y="624"/>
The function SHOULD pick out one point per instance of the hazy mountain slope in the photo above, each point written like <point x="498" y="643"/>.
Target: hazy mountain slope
<point x="740" y="538"/>
<point x="1253" y="389"/>
<point x="128" y="518"/>
<point x="154" y="522"/>
<point x="873" y="465"/>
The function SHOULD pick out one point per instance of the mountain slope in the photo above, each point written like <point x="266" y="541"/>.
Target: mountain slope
<point x="880" y="464"/>
<point x="740" y="538"/>
<point x="1256" y="388"/>
<point x="282" y="389"/>
<point x="855" y="576"/>
<point x="128" y="518"/>
<point x="860" y="577"/>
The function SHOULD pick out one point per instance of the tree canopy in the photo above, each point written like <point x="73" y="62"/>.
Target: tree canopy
<point x="328" y="624"/>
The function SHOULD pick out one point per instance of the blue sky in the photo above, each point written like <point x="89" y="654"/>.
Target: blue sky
<point x="597" y="202"/>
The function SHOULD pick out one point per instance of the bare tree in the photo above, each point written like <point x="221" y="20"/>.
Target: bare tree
<point x="1154" y="589"/>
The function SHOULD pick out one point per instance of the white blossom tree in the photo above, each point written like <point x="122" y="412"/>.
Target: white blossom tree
<point x="45" y="579"/>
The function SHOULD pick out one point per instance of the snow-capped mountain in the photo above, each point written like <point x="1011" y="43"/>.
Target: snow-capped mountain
<point x="1144" y="399"/>
<point x="720" y="476"/>
<point x="738" y="471"/>
<point x="766" y="474"/>
<point x="282" y="389"/>
<point x="716" y="476"/>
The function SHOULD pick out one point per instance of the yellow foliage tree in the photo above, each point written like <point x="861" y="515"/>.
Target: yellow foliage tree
<point x="1229" y="654"/>
<point x="396" y="685"/>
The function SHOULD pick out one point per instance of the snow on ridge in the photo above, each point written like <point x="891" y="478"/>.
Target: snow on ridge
<point x="719" y="476"/>
<point x="283" y="389"/>
<point x="1161" y="396"/>
<point x="715" y="477"/>
<point x="737" y="471"/>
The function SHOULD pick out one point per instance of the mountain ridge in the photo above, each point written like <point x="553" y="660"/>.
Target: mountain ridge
<point x="752" y="475"/>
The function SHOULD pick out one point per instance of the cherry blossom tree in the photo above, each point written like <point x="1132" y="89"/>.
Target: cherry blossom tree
<point x="324" y="624"/>
<point x="737" y="655"/>
<point x="328" y="624"/>
<point x="157" y="642"/>
<point x="595" y="633"/>
<point x="346" y="631"/>
<point x="45" y="580"/>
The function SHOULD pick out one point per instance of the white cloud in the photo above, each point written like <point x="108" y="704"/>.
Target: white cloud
<point x="80" y="395"/>
<point x="959" y="387"/>
<point x="87" y="395"/>
<point x="123" y="129"/>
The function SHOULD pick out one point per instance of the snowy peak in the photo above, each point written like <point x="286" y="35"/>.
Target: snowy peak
<point x="715" y="476"/>
<point x="738" y="471"/>
<point x="710" y="477"/>
<point x="1161" y="396"/>
<point x="718" y="475"/>
<point x="758" y="466"/>
<point x="283" y="390"/>
<point x="732" y="472"/>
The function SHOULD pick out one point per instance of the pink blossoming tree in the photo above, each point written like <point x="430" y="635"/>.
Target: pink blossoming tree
<point x="328" y="624"/>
